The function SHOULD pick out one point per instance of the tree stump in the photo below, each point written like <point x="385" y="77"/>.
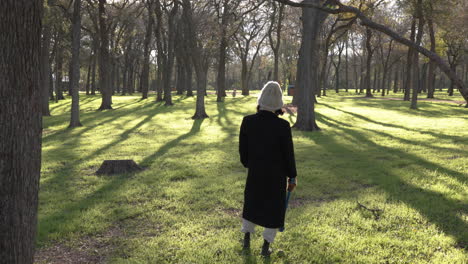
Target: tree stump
<point x="109" y="167"/>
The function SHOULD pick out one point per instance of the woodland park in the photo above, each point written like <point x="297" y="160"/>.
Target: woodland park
<point x="376" y="93"/>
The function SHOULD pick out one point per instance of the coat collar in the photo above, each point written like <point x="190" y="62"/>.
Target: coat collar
<point x="267" y="113"/>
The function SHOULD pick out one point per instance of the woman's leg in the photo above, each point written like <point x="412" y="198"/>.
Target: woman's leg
<point x="269" y="234"/>
<point x="247" y="226"/>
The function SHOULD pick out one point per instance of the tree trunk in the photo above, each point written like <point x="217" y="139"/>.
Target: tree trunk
<point x="244" y="78"/>
<point x="431" y="73"/>
<point x="45" y="69"/>
<point x="196" y="56"/>
<point x="117" y="78"/>
<point x="58" y="74"/>
<point x="396" y="81"/>
<point x="370" y="52"/>
<point x="346" y="67"/>
<point x="21" y="124"/>
<point x="88" y="75"/>
<point x="146" y="54"/>
<point x="75" y="65"/>
<point x="104" y="59"/>
<point x="51" y="83"/>
<point x="451" y="84"/>
<point x="409" y="76"/>
<point x="188" y="79"/>
<point x="93" y="71"/>
<point x="181" y="75"/>
<point x="223" y="44"/>
<point x="415" y="64"/>
<point x="307" y="68"/>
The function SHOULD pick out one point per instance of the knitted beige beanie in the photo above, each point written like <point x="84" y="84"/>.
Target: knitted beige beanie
<point x="271" y="97"/>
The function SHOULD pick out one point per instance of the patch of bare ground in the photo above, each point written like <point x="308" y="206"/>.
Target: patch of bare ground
<point x="400" y="99"/>
<point x="97" y="248"/>
<point x="89" y="249"/>
<point x="231" y="211"/>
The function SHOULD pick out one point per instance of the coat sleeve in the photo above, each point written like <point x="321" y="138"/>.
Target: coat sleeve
<point x="243" y="144"/>
<point x="288" y="150"/>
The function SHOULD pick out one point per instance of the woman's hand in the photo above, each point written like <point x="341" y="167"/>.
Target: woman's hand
<point x="291" y="184"/>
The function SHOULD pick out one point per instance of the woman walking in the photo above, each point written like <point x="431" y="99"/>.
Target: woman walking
<point x="266" y="149"/>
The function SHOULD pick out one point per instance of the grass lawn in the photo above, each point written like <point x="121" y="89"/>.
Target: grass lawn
<point x="185" y="206"/>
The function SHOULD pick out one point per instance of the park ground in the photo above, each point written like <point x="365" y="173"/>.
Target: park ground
<point x="379" y="184"/>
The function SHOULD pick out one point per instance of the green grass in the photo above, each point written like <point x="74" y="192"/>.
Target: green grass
<point x="184" y="207"/>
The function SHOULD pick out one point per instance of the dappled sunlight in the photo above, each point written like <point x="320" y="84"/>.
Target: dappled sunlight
<point x="192" y="184"/>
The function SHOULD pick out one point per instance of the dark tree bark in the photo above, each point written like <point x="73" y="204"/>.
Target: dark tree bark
<point x="396" y="81"/>
<point x="20" y="130"/>
<point x="370" y="52"/>
<point x="93" y="71"/>
<point x="75" y="65"/>
<point x="307" y="68"/>
<point x="88" y="75"/>
<point x="146" y="53"/>
<point x="346" y="67"/>
<point x="431" y="73"/>
<point x="197" y="60"/>
<point x="58" y="73"/>
<point x="188" y="79"/>
<point x="45" y="69"/>
<point x="104" y="59"/>
<point x="158" y="34"/>
<point x="51" y="83"/>
<point x="223" y="45"/>
<point x="415" y="63"/>
<point x="181" y="75"/>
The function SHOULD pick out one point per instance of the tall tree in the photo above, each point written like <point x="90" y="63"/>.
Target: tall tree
<point x="146" y="54"/>
<point x="415" y="64"/>
<point x="75" y="65"/>
<point x="199" y="63"/>
<point x="249" y="41"/>
<point x="307" y="67"/>
<point x="432" y="65"/>
<point x="20" y="130"/>
<point x="274" y="35"/>
<point x="104" y="86"/>
<point x="45" y="64"/>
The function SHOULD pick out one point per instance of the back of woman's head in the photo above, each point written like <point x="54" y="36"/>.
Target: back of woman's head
<point x="271" y="98"/>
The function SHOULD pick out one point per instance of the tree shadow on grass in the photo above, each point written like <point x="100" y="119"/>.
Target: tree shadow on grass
<point x="91" y="120"/>
<point x="366" y="119"/>
<point x="149" y="160"/>
<point x="425" y="108"/>
<point x="74" y="209"/>
<point x="440" y="210"/>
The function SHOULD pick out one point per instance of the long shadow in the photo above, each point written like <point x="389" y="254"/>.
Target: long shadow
<point x="426" y="108"/>
<point x="73" y="209"/>
<point x="443" y="136"/>
<point x="173" y="143"/>
<point x="387" y="135"/>
<point x="438" y="209"/>
<point x="98" y="119"/>
<point x="226" y="124"/>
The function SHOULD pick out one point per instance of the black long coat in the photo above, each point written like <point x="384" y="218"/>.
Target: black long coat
<point x="266" y="149"/>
